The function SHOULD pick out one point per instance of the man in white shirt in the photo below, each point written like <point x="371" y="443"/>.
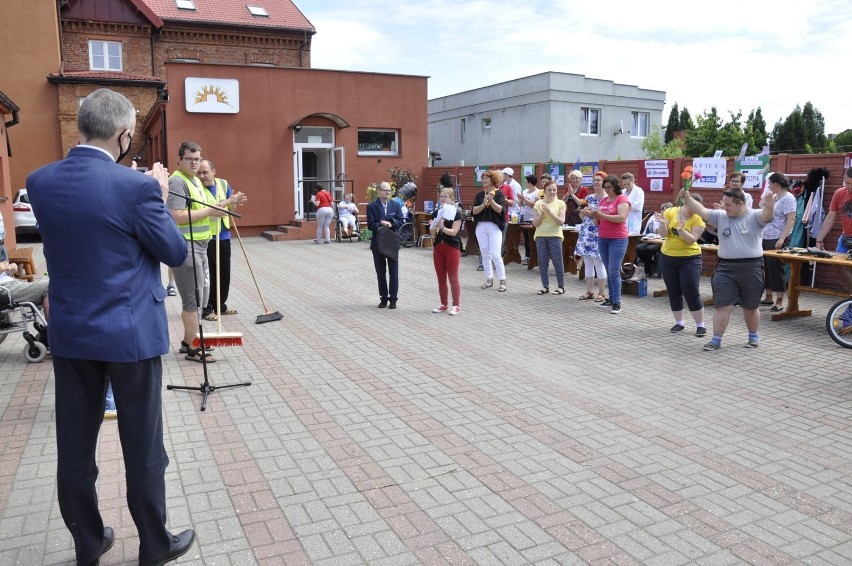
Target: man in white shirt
<point x="636" y="196"/>
<point x="509" y="179"/>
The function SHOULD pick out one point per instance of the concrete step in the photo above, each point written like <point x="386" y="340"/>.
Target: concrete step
<point x="274" y="235"/>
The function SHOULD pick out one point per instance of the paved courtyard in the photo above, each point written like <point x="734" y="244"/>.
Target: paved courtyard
<point x="527" y="430"/>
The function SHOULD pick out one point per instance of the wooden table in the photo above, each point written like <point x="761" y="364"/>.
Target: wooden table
<point x="23" y="257"/>
<point x="794" y="287"/>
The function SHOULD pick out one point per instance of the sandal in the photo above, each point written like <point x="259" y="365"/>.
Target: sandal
<point x="543" y="291"/>
<point x="210" y="316"/>
<point x="559" y="291"/>
<point x="194" y="355"/>
<point x="600" y="299"/>
<point x="767" y="302"/>
<point x="586" y="296"/>
<point x="488" y="283"/>
<point x="184" y="348"/>
<point x="502" y="288"/>
<point x="229" y="311"/>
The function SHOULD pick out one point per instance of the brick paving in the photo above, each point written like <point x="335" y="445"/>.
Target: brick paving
<point x="527" y="430"/>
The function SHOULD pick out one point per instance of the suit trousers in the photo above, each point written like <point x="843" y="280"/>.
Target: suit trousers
<point x="223" y="282"/>
<point x="385" y="267"/>
<point x="80" y="390"/>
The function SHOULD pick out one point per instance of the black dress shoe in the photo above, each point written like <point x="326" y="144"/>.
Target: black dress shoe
<point x="392" y="305"/>
<point x="383" y="303"/>
<point x="108" y="541"/>
<point x="180" y="545"/>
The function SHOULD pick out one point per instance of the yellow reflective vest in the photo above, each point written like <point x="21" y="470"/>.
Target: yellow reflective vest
<point x="221" y="194"/>
<point x="200" y="229"/>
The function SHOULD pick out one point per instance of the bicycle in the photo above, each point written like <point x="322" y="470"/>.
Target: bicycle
<point x="838" y="322"/>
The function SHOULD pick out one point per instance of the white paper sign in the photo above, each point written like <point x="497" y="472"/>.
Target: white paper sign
<point x="662" y="173"/>
<point x="656" y="185"/>
<point x="712" y="171"/>
<point x="212" y="96"/>
<point x="448" y="212"/>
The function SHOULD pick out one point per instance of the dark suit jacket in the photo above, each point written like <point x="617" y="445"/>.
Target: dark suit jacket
<point x="376" y="213"/>
<point x="105" y="230"/>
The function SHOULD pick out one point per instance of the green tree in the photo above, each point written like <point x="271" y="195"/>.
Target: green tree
<point x="673" y="123"/>
<point x="685" y="120"/>
<point x="843" y="141"/>
<point x="655" y="147"/>
<point x="754" y="132"/>
<point x="788" y="136"/>
<point x="814" y="126"/>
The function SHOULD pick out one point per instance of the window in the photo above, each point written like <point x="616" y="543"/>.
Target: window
<point x="590" y="121"/>
<point x="486" y="123"/>
<point x="378" y="142"/>
<point x="185" y="4"/>
<point x="463" y="127"/>
<point x="257" y="11"/>
<point x="641" y="121"/>
<point x="104" y="55"/>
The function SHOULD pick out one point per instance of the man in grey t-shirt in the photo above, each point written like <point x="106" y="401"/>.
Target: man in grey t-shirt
<point x="739" y="272"/>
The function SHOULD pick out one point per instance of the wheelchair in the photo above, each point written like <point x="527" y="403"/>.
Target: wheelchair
<point x="16" y="317"/>
<point x="339" y="236"/>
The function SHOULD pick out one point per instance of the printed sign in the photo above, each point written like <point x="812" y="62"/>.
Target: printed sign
<point x="212" y="96"/>
<point x="588" y="169"/>
<point x="712" y="170"/>
<point x="754" y="168"/>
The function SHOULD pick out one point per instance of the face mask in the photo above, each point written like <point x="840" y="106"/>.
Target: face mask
<point x="122" y="153"/>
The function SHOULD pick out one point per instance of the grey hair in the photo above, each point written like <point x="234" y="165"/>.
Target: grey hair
<point x="103" y="113"/>
<point x="384" y="185"/>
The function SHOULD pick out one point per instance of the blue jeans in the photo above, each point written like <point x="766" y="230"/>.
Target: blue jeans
<point x="612" y="254"/>
<point x="109" y="403"/>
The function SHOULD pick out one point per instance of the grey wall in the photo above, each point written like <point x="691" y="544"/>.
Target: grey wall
<point x="537" y="119"/>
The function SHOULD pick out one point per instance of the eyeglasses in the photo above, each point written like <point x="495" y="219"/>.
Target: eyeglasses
<point x="192" y="159"/>
<point x="384" y="190"/>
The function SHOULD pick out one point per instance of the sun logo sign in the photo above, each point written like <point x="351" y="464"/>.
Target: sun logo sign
<point x="208" y="95"/>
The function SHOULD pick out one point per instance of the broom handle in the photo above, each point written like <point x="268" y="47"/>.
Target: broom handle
<point x="218" y="278"/>
<point x="240" y="240"/>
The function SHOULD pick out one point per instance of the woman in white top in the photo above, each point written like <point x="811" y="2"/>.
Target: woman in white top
<point x="528" y="198"/>
<point x="346" y="215"/>
<point x="775" y="236"/>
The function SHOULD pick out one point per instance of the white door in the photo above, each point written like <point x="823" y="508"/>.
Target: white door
<point x="297" y="184"/>
<point x="339" y="171"/>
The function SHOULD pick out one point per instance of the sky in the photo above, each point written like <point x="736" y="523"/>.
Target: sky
<point x="734" y="55"/>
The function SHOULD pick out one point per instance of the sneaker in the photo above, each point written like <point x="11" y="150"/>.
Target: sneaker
<point x="701" y="331"/>
<point x="110" y="414"/>
<point x="676" y="328"/>
<point x="442" y="308"/>
<point x="616" y="309"/>
<point x="479" y="268"/>
<point x="605" y="303"/>
<point x="454" y="310"/>
<point x="752" y="344"/>
<point x="525" y="261"/>
<point x="710" y="346"/>
<point x="171" y="291"/>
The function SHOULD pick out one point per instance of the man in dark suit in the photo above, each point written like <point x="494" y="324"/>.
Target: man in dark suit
<point x="106" y="230"/>
<point x="385" y="213"/>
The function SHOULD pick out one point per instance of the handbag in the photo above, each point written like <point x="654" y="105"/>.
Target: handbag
<point x="387" y="243"/>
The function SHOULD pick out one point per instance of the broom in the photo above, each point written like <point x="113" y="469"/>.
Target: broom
<point x="219" y="338"/>
<point x="266" y="316"/>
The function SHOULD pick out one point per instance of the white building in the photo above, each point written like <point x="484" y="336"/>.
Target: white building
<point x="546" y="117"/>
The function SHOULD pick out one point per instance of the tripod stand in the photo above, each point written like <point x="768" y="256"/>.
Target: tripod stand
<point x="205" y="388"/>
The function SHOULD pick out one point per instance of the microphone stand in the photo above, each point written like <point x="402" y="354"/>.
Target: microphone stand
<point x="205" y="388"/>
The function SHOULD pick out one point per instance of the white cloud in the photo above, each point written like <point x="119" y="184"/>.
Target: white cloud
<point x="730" y="54"/>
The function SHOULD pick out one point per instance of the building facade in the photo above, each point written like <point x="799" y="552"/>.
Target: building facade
<point x="551" y="116"/>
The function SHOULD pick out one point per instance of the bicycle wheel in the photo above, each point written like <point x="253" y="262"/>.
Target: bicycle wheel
<point x="838" y="322"/>
<point x="408" y="235"/>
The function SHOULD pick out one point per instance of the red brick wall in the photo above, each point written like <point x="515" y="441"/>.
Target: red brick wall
<point x="136" y="45"/>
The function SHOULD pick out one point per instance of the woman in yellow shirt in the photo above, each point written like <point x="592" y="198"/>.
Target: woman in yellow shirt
<point x="548" y="220"/>
<point x="681" y="263"/>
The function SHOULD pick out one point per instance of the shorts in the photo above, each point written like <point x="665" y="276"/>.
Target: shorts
<point x="738" y="282"/>
<point x="185" y="277"/>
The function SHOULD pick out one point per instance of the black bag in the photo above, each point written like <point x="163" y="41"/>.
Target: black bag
<point x="387" y="243"/>
<point x="628" y="270"/>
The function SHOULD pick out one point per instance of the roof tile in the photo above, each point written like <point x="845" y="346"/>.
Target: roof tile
<point x="282" y="13"/>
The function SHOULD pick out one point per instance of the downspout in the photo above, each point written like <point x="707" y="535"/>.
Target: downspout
<point x="302" y="48"/>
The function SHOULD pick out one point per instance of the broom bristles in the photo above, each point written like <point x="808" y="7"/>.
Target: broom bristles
<point x="223" y="339"/>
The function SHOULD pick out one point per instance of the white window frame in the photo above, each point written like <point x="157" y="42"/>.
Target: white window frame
<point x="394" y="150"/>
<point x="258" y="11"/>
<point x="586" y="123"/>
<point x="637" y="131"/>
<point x="185" y="4"/>
<point x="105" y="45"/>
